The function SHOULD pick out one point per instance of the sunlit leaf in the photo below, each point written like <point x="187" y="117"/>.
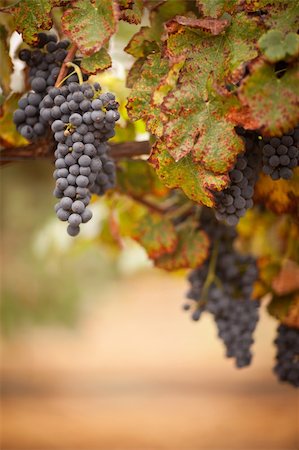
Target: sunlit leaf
<point x="96" y="62"/>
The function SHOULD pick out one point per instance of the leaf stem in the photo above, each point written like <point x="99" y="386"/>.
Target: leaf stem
<point x="77" y="70"/>
<point x="69" y="57"/>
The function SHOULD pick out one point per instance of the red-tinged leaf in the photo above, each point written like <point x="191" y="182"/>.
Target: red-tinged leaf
<point x="90" y="24"/>
<point x="215" y="8"/>
<point x="272" y="102"/>
<point x="142" y="43"/>
<point x="287" y="280"/>
<point x="196" y="182"/>
<point x="156" y="234"/>
<point x="138" y="178"/>
<point x="282" y="15"/>
<point x="131" y="10"/>
<point x="191" y="251"/>
<point x="97" y="62"/>
<point x="134" y="73"/>
<point x="214" y="26"/>
<point x="279" y="196"/>
<point x="151" y="73"/>
<point x="32" y="16"/>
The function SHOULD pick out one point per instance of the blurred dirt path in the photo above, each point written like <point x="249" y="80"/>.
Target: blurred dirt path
<point x="138" y="374"/>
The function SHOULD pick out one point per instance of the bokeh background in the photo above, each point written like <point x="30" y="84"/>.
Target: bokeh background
<point x="96" y="352"/>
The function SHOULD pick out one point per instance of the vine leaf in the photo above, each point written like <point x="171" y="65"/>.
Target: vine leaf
<point x="156" y="234"/>
<point x="32" y="16"/>
<point x="282" y="15"/>
<point x="287" y="280"/>
<point x="9" y="137"/>
<point x="276" y="46"/>
<point x="191" y="177"/>
<point x="131" y="10"/>
<point x="284" y="308"/>
<point x="138" y="178"/>
<point x="279" y="196"/>
<point x="214" y="26"/>
<point x="90" y="24"/>
<point x="97" y="62"/>
<point x="191" y="251"/>
<point x="215" y="8"/>
<point x="272" y="102"/>
<point x="6" y="64"/>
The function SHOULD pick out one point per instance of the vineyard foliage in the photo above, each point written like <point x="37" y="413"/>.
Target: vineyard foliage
<point x="202" y="70"/>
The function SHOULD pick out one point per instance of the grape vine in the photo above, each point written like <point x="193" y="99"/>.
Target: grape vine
<point x="217" y="90"/>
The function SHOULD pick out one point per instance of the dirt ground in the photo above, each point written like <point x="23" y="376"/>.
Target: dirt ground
<point x="138" y="374"/>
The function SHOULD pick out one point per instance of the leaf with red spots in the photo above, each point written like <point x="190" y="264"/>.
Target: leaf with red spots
<point x="272" y="98"/>
<point x="97" y="62"/>
<point x="191" y="251"/>
<point x="90" y="24"/>
<point x="191" y="177"/>
<point x="215" y="8"/>
<point x="156" y="234"/>
<point x="32" y="16"/>
<point x="131" y="10"/>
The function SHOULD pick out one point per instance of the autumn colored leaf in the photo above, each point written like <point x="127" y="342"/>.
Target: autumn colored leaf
<point x="276" y="46"/>
<point x="142" y="43"/>
<point x="90" y="24"/>
<point x="280" y="307"/>
<point x="156" y="234"/>
<point x="96" y="62"/>
<point x="134" y="73"/>
<point x="191" y="251"/>
<point x="282" y="15"/>
<point x="215" y="8"/>
<point x="137" y="177"/>
<point x="9" y="137"/>
<point x="292" y="317"/>
<point x="191" y="177"/>
<point x="32" y="16"/>
<point x="214" y="26"/>
<point x="131" y="10"/>
<point x="287" y="280"/>
<point x="279" y="196"/>
<point x="272" y="101"/>
<point x="6" y="64"/>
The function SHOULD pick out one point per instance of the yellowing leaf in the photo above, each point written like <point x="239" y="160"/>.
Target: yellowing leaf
<point x="95" y="63"/>
<point x="191" y="251"/>
<point x="131" y="10"/>
<point x="279" y="196"/>
<point x="90" y="24"/>
<point x="9" y="137"/>
<point x="191" y="177"/>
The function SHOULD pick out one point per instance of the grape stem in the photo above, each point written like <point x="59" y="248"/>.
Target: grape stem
<point x="69" y="58"/>
<point x="77" y="70"/>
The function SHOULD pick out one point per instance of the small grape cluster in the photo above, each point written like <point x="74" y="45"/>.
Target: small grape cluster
<point x="44" y="66"/>
<point x="287" y="357"/>
<point x="281" y="155"/>
<point x="82" y="120"/>
<point x="223" y="287"/>
<point x="233" y="202"/>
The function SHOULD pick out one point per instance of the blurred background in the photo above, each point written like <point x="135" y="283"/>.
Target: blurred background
<point x="96" y="352"/>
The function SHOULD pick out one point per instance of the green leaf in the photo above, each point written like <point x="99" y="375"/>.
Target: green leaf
<point x="191" y="177"/>
<point x="276" y="46"/>
<point x="6" y="64"/>
<point x="138" y="178"/>
<point x="90" y="24"/>
<point x="97" y="62"/>
<point x="156" y="234"/>
<point x="191" y="251"/>
<point x="272" y="102"/>
<point x="131" y="10"/>
<point x="32" y="16"/>
<point x="215" y="8"/>
<point x="142" y="43"/>
<point x="282" y="15"/>
<point x="150" y="76"/>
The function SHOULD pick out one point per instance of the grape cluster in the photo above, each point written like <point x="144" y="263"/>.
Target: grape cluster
<point x="226" y="290"/>
<point x="44" y="66"/>
<point x="281" y="155"/>
<point x="287" y="357"/>
<point x="233" y="202"/>
<point x="82" y="120"/>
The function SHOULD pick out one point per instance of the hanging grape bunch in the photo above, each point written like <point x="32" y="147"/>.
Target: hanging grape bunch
<point x="82" y="120"/>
